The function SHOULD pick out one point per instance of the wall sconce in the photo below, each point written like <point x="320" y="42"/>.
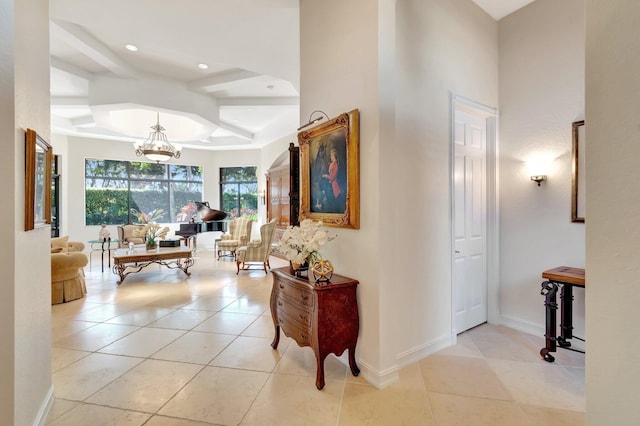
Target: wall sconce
<point x="539" y="178"/>
<point x="314" y="120"/>
<point x="539" y="166"/>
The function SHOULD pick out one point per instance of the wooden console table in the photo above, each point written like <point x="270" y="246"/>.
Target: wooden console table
<point x="567" y="277"/>
<point x="321" y="315"/>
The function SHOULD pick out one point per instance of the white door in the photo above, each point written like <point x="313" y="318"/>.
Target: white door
<point x="469" y="218"/>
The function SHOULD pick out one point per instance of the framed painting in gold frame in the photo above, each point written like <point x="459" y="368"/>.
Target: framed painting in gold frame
<point x="330" y="171"/>
<point x="38" y="159"/>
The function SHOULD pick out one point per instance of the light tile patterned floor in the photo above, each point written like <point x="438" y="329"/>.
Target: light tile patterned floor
<point x="163" y="349"/>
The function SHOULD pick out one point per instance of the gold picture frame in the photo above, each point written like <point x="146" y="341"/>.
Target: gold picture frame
<point x="330" y="171"/>
<point x="38" y="160"/>
<point x="578" y="172"/>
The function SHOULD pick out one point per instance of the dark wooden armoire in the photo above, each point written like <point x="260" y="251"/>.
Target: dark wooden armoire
<point x="283" y="192"/>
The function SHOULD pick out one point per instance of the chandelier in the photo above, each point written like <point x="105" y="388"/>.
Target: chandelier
<point x="156" y="147"/>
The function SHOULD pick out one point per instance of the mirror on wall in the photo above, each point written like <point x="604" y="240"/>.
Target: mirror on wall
<point x="578" y="172"/>
<point x="38" y="156"/>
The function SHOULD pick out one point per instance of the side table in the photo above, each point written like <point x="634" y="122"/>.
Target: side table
<point x="567" y="277"/>
<point x="321" y="315"/>
<point x="103" y="246"/>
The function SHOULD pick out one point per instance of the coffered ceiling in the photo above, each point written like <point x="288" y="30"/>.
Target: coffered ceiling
<point x="245" y="97"/>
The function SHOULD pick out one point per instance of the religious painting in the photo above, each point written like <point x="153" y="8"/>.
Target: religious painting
<point x="330" y="174"/>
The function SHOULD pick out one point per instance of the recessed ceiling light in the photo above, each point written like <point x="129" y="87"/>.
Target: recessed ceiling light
<point x="271" y="86"/>
<point x="131" y="47"/>
<point x="203" y="66"/>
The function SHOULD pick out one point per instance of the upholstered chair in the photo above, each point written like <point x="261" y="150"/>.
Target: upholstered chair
<point x="238" y="234"/>
<point x="63" y="245"/>
<point x="257" y="252"/>
<point x="67" y="276"/>
<point x="125" y="235"/>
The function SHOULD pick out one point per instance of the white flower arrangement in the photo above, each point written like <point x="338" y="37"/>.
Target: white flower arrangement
<point x="302" y="243"/>
<point x="151" y="232"/>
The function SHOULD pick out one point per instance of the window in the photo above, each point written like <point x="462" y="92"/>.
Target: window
<point x="239" y="191"/>
<point x="119" y="192"/>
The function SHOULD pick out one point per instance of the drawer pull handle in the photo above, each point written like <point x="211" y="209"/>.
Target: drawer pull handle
<point x="302" y="317"/>
<point x="281" y="285"/>
<point x="280" y="320"/>
<point x="304" y="336"/>
<point x="279" y="302"/>
<point x="305" y="297"/>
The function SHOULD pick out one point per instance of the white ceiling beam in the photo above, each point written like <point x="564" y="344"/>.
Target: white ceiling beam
<point x="71" y="69"/>
<point x="76" y="37"/>
<point x="69" y="101"/>
<point x="241" y="133"/>
<point x="84" y="122"/>
<point x="223" y="81"/>
<point x="259" y="101"/>
<point x="226" y="141"/>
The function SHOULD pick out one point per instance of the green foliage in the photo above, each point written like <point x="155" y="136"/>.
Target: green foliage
<point x="238" y="174"/>
<point x="111" y="207"/>
<point x="152" y="216"/>
<point x="108" y="206"/>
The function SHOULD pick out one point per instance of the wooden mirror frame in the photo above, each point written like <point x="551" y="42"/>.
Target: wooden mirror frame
<point x="577" y="172"/>
<point x="37" y="199"/>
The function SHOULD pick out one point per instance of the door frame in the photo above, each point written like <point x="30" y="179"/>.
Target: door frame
<point x="492" y="169"/>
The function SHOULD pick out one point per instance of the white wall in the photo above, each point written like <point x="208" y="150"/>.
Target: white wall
<point x="397" y="62"/>
<point x="25" y="305"/>
<point x="9" y="152"/>
<point x="541" y="94"/>
<point x="338" y="60"/>
<point x="77" y="149"/>
<point x="443" y="48"/>
<point x="613" y="212"/>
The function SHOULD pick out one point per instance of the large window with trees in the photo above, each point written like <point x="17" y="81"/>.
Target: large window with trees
<point x="119" y="192"/>
<point x="239" y="191"/>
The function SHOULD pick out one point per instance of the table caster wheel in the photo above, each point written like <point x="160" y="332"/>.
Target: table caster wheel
<point x="562" y="342"/>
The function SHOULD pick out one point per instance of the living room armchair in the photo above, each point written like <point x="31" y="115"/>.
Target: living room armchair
<point x="257" y="251"/>
<point x="125" y="235"/>
<point x="67" y="276"/>
<point x="238" y="235"/>
<point x="63" y="245"/>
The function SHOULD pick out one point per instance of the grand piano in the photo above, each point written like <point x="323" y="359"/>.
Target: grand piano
<point x="210" y="220"/>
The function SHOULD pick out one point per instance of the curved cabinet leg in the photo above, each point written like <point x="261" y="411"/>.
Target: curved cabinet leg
<point x="352" y="361"/>
<point x="320" y="370"/>
<point x="276" y="338"/>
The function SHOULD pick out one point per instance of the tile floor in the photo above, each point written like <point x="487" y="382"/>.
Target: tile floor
<point x="162" y="349"/>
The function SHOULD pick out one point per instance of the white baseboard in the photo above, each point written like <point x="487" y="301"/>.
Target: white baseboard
<point x="420" y="352"/>
<point x="528" y="327"/>
<point x="45" y="408"/>
<point x="379" y="379"/>
<point x="383" y="378"/>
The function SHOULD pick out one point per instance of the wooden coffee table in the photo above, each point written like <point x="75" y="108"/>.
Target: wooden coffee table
<point x="127" y="261"/>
